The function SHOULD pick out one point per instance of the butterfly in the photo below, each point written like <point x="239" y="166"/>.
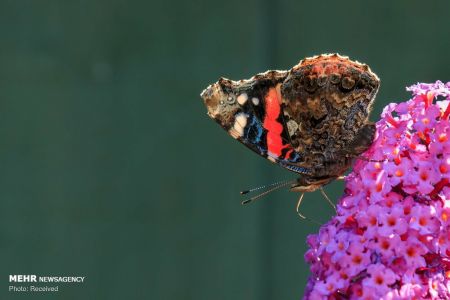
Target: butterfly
<point x="312" y="120"/>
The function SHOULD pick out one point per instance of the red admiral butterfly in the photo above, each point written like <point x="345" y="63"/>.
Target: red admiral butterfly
<point x="311" y="119"/>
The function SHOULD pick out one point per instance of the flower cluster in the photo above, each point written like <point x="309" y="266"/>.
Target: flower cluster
<point x="391" y="236"/>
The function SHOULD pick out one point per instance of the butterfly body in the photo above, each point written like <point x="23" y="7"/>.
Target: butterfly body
<point x="311" y="119"/>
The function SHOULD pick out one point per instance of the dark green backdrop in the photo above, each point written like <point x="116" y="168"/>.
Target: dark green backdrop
<point x="110" y="168"/>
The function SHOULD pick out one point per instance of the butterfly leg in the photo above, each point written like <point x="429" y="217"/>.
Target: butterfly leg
<point x="364" y="158"/>
<point x="327" y="198"/>
<point x="297" y="209"/>
<point x="300" y="214"/>
<point x="369" y="160"/>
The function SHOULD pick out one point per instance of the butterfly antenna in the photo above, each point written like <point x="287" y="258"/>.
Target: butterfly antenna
<point x="264" y="186"/>
<point x="275" y="187"/>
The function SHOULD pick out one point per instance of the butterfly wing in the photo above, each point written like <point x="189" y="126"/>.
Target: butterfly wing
<point x="251" y="112"/>
<point x="309" y="119"/>
<point x="326" y="104"/>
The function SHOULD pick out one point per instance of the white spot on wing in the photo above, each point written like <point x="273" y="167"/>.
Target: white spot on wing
<point x="233" y="133"/>
<point x="240" y="122"/>
<point x="255" y="101"/>
<point x="292" y="127"/>
<point x="242" y="98"/>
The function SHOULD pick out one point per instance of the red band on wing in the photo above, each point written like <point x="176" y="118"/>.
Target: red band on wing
<point x="273" y="127"/>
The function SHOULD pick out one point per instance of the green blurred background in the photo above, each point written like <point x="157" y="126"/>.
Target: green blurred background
<point x="110" y="168"/>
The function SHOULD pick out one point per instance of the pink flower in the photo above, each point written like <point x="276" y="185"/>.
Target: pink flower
<point x="338" y="246"/>
<point x="379" y="278"/>
<point x="386" y="246"/>
<point x="356" y="260"/>
<point x="412" y="251"/>
<point x="423" y="219"/>
<point x="399" y="171"/>
<point x="393" y="222"/>
<point x="426" y="174"/>
<point x="440" y="139"/>
<point x="426" y="119"/>
<point x="368" y="219"/>
<point x="330" y="284"/>
<point x="390" y="238"/>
